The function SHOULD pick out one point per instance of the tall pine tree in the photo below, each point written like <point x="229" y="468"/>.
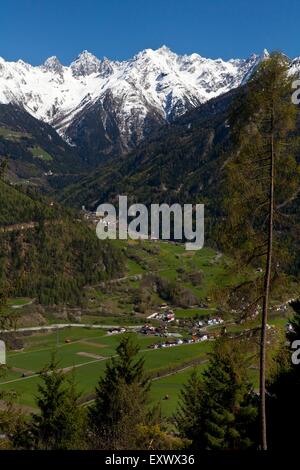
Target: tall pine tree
<point x="59" y="424"/>
<point x="187" y="415"/>
<point x="121" y="399"/>
<point x="261" y="184"/>
<point x="218" y="412"/>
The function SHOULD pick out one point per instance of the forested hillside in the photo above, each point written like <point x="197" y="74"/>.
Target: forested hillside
<point x="47" y="252"/>
<point x="22" y="205"/>
<point x="34" y="149"/>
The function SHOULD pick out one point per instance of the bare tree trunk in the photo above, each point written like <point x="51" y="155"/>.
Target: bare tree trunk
<point x="263" y="342"/>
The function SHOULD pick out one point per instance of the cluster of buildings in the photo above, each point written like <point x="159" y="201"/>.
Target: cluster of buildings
<point x="208" y="322"/>
<point x="165" y="314"/>
<point x="178" y="342"/>
<point x="215" y="321"/>
<point x="148" y="329"/>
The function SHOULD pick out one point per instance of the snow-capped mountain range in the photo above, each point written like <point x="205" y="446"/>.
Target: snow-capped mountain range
<point x="121" y="101"/>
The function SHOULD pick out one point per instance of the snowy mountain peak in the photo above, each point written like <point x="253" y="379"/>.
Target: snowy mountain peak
<point x="87" y="56"/>
<point x="265" y="54"/>
<point x="106" y="67"/>
<point x="164" y="50"/>
<point x="85" y="64"/>
<point x="52" y="64"/>
<point x="155" y="54"/>
<point x="129" y="96"/>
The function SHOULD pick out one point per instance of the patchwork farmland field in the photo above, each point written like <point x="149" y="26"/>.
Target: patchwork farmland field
<point x="84" y="353"/>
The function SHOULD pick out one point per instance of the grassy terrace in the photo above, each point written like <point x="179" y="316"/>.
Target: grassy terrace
<point x="9" y="134"/>
<point x="38" y="152"/>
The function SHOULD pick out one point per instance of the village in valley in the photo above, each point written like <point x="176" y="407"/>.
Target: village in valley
<point x="165" y="299"/>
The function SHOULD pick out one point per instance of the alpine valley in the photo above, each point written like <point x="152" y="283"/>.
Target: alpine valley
<point x="141" y="344"/>
<point x="83" y="128"/>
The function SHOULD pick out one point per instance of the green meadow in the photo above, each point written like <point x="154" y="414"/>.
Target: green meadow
<point x="84" y="352"/>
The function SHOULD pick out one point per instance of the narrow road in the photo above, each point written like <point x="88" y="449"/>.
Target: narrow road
<point x="60" y="326"/>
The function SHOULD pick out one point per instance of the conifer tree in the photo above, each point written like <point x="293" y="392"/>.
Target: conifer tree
<point x="187" y="415"/>
<point x="221" y="408"/>
<point x="10" y="416"/>
<point x="59" y="423"/>
<point x="261" y="182"/>
<point x="121" y="399"/>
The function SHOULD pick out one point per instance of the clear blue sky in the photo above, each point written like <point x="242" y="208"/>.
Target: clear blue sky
<point x="36" y="29"/>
